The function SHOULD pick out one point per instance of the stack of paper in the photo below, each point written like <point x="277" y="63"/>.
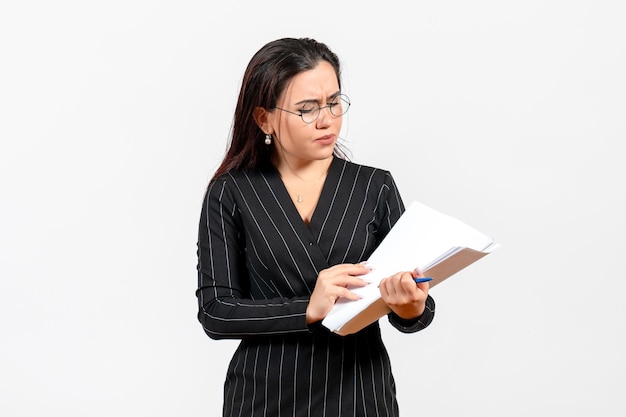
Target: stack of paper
<point x="438" y="244"/>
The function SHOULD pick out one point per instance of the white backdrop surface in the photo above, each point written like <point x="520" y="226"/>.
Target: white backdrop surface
<point x="508" y="115"/>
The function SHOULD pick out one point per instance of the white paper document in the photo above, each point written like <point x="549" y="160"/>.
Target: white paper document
<point x="437" y="244"/>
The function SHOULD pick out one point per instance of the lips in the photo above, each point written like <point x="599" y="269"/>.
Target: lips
<point x="326" y="140"/>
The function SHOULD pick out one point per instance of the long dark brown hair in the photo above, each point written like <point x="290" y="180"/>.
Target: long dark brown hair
<point x="264" y="80"/>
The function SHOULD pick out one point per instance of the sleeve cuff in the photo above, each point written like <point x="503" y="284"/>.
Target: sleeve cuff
<point x="416" y="324"/>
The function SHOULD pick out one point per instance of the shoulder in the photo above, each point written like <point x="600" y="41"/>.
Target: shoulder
<point x="224" y="187"/>
<point x="241" y="187"/>
<point x="361" y="169"/>
<point x="235" y="179"/>
<point x="353" y="171"/>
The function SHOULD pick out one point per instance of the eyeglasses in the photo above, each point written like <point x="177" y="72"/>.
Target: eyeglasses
<point x="310" y="111"/>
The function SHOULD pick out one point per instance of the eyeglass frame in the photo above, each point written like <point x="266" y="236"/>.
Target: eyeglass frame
<point x="342" y="97"/>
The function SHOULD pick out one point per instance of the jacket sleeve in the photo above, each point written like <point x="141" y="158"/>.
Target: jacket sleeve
<point x="417" y="324"/>
<point x="391" y="210"/>
<point x="225" y="308"/>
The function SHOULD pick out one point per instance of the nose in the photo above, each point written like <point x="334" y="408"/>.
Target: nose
<point x="325" y="118"/>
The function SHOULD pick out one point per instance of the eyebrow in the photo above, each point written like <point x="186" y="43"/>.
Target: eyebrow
<point x="330" y="97"/>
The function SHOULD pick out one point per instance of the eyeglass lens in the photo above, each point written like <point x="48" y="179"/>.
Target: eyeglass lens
<point x="337" y="107"/>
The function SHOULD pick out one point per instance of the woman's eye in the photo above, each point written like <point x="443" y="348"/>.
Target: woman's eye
<point x="307" y="109"/>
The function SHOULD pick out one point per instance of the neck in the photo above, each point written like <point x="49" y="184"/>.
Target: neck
<point x="307" y="171"/>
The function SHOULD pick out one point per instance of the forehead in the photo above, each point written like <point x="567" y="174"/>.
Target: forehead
<point x="319" y="82"/>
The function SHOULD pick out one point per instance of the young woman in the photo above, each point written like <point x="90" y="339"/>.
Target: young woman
<point x="285" y="226"/>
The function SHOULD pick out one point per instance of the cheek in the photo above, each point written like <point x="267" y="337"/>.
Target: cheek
<point x="295" y="136"/>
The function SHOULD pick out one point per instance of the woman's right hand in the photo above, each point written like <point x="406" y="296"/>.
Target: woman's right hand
<point x="332" y="284"/>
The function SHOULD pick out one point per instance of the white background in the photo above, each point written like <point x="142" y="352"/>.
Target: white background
<point x="509" y="115"/>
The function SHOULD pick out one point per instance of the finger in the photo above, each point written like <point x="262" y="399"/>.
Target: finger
<point x="424" y="286"/>
<point x="345" y="281"/>
<point x="417" y="273"/>
<point x="349" y="269"/>
<point x="382" y="286"/>
<point x="346" y="293"/>
<point x="355" y="282"/>
<point x="420" y="286"/>
<point x="388" y="286"/>
<point x="408" y="285"/>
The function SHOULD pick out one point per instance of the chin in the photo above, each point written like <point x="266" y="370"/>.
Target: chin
<point x="326" y="154"/>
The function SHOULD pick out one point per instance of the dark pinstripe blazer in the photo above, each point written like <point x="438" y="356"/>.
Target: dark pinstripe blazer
<point x="257" y="267"/>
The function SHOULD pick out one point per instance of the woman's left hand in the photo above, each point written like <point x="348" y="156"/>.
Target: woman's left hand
<point x="405" y="298"/>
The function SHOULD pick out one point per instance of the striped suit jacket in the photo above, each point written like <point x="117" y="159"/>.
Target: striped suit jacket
<point x="257" y="266"/>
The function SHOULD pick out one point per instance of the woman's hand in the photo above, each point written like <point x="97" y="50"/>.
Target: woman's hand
<point x="405" y="298"/>
<point x="333" y="283"/>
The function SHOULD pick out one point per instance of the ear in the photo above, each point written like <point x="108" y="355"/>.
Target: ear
<point x="261" y="117"/>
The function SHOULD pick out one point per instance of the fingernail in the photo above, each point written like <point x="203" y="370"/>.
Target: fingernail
<point x="367" y="265"/>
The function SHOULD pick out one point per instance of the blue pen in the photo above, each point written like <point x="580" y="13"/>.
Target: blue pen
<point x="424" y="279"/>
